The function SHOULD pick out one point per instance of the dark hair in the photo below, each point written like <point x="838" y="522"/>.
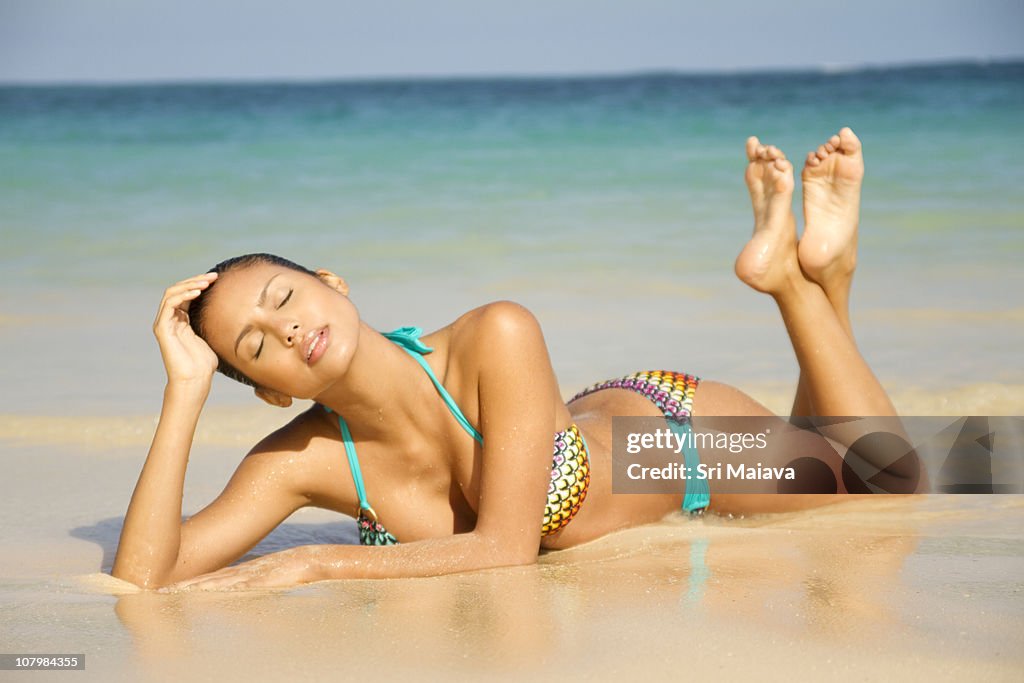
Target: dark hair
<point x="197" y="309"/>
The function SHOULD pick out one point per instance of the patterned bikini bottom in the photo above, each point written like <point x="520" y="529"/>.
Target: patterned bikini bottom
<point x="672" y="393"/>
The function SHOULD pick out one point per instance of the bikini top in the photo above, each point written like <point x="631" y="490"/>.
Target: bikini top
<point x="570" y="474"/>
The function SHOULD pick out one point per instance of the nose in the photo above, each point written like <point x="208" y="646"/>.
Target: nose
<point x="291" y="333"/>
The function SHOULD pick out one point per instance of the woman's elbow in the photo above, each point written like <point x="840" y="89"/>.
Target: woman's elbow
<point x="146" y="579"/>
<point x="499" y="551"/>
<point x="135" y="578"/>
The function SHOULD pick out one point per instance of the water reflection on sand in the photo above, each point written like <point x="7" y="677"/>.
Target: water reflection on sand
<point x="822" y="586"/>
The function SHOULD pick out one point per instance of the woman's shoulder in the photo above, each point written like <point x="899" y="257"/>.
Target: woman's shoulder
<point x="313" y="436"/>
<point x="486" y="329"/>
<point x="306" y="431"/>
<point x="496" y="317"/>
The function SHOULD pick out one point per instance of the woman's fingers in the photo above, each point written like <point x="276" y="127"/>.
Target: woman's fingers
<point x="232" y="583"/>
<point x="197" y="282"/>
<point x="174" y="303"/>
<point x="186" y="356"/>
<point x="180" y="292"/>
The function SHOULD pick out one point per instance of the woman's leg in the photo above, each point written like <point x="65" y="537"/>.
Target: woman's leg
<point x="714" y="398"/>
<point x="827" y="252"/>
<point x="810" y="285"/>
<point x="837" y="379"/>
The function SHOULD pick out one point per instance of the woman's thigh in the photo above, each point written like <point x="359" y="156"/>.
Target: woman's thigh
<point x="605" y="511"/>
<point x="816" y="459"/>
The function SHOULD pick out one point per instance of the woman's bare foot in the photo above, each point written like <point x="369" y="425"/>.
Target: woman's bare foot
<point x="770" y="256"/>
<point x="831" y="186"/>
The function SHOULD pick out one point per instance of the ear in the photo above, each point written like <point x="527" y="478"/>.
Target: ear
<point x="274" y="398"/>
<point x="333" y="281"/>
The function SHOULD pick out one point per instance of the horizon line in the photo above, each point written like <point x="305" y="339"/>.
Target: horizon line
<point x="822" y="68"/>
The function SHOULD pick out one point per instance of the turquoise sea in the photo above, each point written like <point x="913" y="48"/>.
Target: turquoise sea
<point x="612" y="207"/>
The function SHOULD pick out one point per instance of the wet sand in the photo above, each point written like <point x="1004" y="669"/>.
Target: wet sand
<point x="923" y="589"/>
<point x="916" y="588"/>
<point x="239" y="426"/>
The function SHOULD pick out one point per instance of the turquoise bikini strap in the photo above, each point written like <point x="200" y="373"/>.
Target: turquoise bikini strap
<point x="408" y="339"/>
<point x="353" y="462"/>
<point x="698" y="495"/>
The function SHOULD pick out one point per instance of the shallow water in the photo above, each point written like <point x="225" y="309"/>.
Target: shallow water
<point x="612" y="207"/>
<point x="919" y="588"/>
<point x="926" y="587"/>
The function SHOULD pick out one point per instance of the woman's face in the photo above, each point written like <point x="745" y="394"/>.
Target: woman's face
<point x="288" y="331"/>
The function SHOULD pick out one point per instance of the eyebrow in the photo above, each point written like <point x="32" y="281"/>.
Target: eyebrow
<point x="259" y="302"/>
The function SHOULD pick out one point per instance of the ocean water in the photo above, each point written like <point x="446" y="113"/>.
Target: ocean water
<point x="612" y="207"/>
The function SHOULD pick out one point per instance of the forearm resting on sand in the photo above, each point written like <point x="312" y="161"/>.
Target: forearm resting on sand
<point x="433" y="557"/>
<point x="151" y="536"/>
<point x="305" y="564"/>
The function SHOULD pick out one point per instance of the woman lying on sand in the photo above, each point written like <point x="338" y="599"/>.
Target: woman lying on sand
<point x="454" y="429"/>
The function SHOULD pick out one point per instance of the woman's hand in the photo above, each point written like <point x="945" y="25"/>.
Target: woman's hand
<point x="277" y="570"/>
<point x="187" y="358"/>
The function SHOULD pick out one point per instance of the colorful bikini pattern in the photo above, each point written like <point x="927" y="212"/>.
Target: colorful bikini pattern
<point x="671" y="391"/>
<point x="570" y="477"/>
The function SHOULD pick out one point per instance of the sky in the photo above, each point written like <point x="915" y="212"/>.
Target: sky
<point x="69" y="41"/>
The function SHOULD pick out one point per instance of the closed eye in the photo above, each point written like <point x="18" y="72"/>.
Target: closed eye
<point x="283" y="302"/>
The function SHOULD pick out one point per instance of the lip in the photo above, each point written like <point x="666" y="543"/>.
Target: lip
<point x="317" y="343"/>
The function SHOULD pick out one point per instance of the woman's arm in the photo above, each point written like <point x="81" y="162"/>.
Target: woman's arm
<point x="265" y="489"/>
<point x="150" y="537"/>
<point x="155" y="548"/>
<point x="303" y="564"/>
<point x="516" y="386"/>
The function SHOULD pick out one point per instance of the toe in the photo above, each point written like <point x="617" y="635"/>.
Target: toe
<point x="812" y="159"/>
<point x="754" y="177"/>
<point x="752" y="145"/>
<point x="849" y="142"/>
<point x="822" y="152"/>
